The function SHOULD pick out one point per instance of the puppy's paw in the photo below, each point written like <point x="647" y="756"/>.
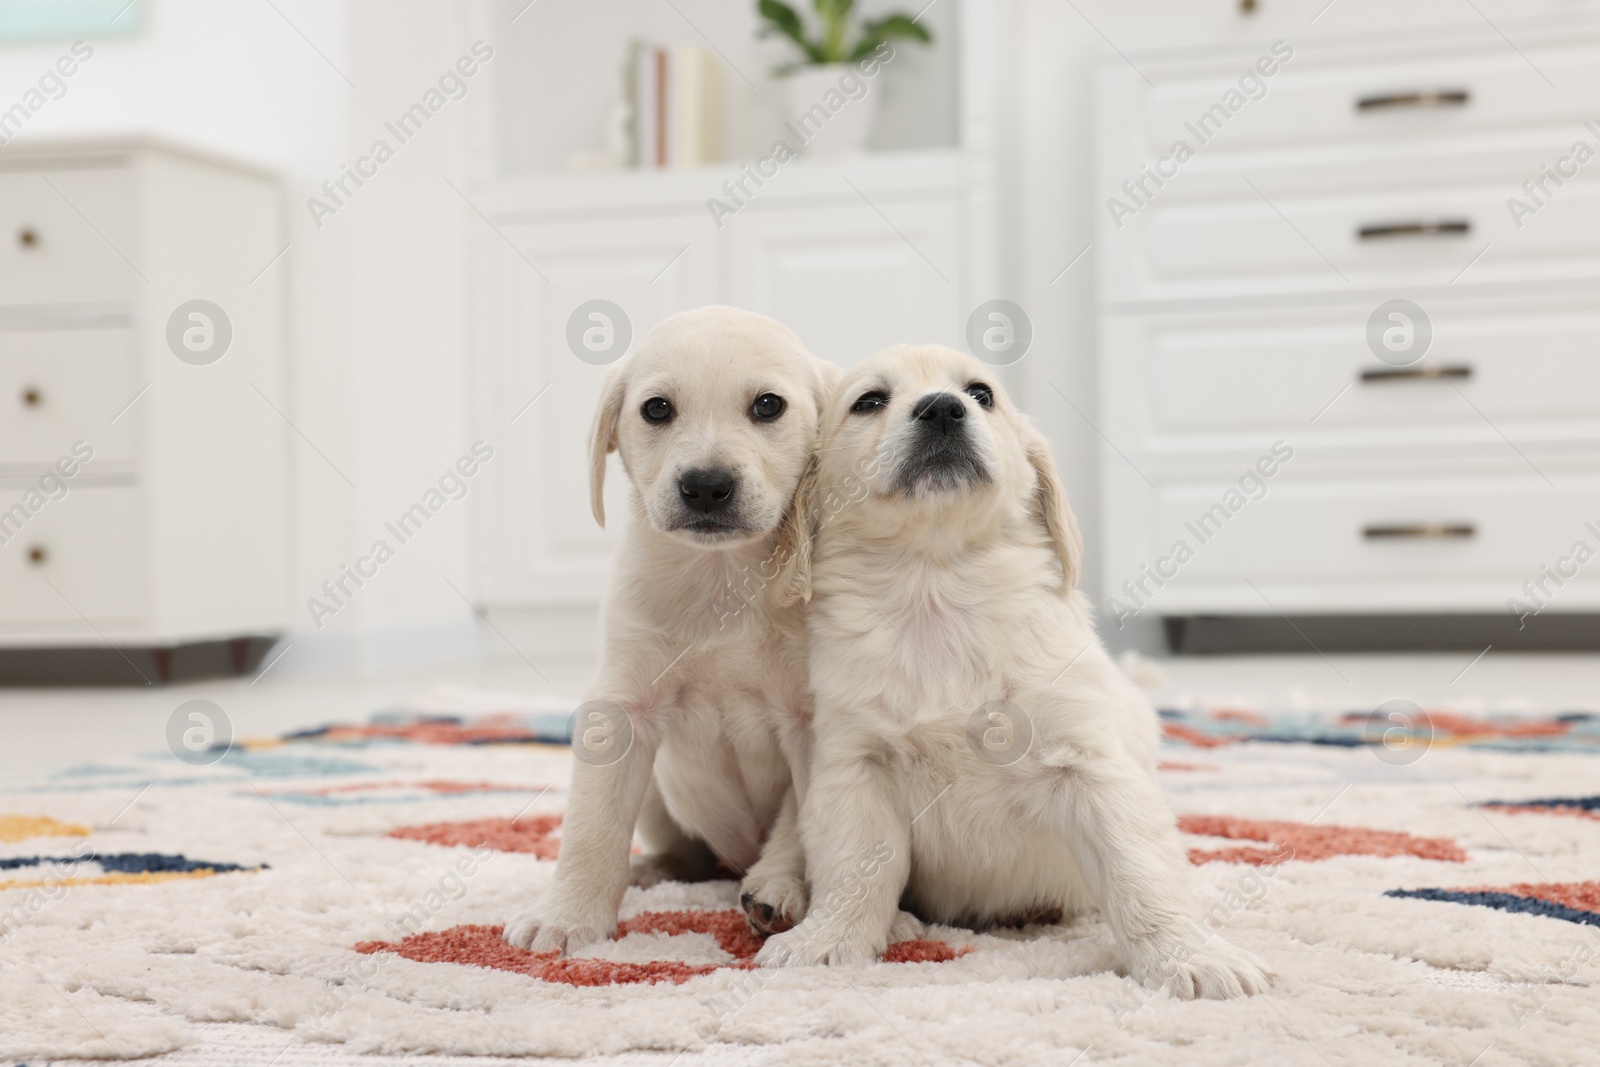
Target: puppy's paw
<point x="906" y="927"/>
<point x="555" y="929"/>
<point x="1211" y="969"/>
<point x="809" y="946"/>
<point x="773" y="904"/>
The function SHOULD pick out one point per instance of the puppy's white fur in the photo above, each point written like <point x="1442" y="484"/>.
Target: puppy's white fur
<point x="703" y="641"/>
<point x="944" y="586"/>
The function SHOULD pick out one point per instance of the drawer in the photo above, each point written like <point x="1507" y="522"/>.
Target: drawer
<point x="1165" y="24"/>
<point x="58" y="387"/>
<point x="1496" y="530"/>
<point x="85" y="544"/>
<point x="67" y="237"/>
<point x="1392" y="241"/>
<point x="1314" y="99"/>
<point x="1528" y="368"/>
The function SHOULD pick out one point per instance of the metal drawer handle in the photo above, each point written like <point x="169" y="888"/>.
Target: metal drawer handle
<point x="27" y="237"/>
<point x="1436" y="372"/>
<point x="37" y="555"/>
<point x="1415" y="98"/>
<point x="31" y="397"/>
<point x="1431" y="531"/>
<point x="1415" y="228"/>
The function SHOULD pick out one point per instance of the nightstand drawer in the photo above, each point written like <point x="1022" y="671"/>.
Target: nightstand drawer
<point x="67" y="237"/>
<point x="70" y="554"/>
<point x="1527" y="367"/>
<point x="1313" y="101"/>
<point x="1394" y="241"/>
<point x="58" y="387"/>
<point x="1417" y="530"/>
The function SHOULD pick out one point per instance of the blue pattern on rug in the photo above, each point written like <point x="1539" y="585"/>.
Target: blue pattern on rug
<point x="1573" y="731"/>
<point x="1580" y="803"/>
<point x="1501" y="901"/>
<point x="129" y="863"/>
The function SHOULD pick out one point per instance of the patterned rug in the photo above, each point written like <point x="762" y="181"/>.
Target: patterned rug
<point x="1430" y="895"/>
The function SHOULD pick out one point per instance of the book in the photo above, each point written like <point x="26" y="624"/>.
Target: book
<point x="675" y="105"/>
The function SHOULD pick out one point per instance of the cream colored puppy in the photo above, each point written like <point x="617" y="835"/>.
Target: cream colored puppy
<point x="703" y="674"/>
<point x="977" y="754"/>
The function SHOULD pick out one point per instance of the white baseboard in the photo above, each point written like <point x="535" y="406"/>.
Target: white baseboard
<point x="381" y="648"/>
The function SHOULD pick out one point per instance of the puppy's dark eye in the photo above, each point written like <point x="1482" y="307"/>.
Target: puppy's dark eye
<point x="869" y="402"/>
<point x="656" y="409"/>
<point x="767" y="406"/>
<point x="982" y="394"/>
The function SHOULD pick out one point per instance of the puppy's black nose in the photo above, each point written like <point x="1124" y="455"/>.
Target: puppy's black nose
<point x="708" y="491"/>
<point x="940" y="411"/>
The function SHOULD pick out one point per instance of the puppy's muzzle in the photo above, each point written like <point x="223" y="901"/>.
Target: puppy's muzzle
<point x="708" y="492"/>
<point x="942" y="454"/>
<point x="940" y="413"/>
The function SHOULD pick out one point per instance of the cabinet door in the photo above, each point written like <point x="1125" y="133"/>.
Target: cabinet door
<point x="850" y="280"/>
<point x="541" y="544"/>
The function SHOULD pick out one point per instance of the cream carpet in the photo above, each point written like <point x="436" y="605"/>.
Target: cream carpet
<point x="330" y="900"/>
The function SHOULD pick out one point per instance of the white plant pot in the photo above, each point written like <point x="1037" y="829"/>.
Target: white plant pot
<point x="823" y="120"/>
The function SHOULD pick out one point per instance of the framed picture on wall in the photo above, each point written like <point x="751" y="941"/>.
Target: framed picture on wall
<point x="44" y="20"/>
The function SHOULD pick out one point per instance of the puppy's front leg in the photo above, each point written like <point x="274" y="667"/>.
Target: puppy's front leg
<point x="858" y="856"/>
<point x="773" y="893"/>
<point x="1122" y="835"/>
<point x="580" y="908"/>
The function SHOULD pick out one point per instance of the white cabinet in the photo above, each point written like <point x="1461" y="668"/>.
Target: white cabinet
<point x="1241" y="291"/>
<point x="851" y="281"/>
<point x="538" y="527"/>
<point x="142" y="445"/>
<point x="853" y="256"/>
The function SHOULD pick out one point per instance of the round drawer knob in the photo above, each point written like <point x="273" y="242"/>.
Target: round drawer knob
<point x="27" y="237"/>
<point x="1248" y="7"/>
<point x="37" y="555"/>
<point x="32" y="397"/>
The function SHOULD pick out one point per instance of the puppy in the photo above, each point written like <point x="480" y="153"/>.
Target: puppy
<point x="702" y="676"/>
<point x="973" y="739"/>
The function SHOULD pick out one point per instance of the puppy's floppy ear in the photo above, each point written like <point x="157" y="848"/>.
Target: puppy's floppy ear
<point x="792" y="556"/>
<point x="1051" y="501"/>
<point x="603" y="440"/>
<point x="829" y="375"/>
<point x="793" y="552"/>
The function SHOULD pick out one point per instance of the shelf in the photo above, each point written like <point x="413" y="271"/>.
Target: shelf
<point x="893" y="174"/>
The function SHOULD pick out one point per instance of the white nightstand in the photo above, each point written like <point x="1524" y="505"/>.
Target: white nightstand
<point x="1276" y="180"/>
<point x="142" y="434"/>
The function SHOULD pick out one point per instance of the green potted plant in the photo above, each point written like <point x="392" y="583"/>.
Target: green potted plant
<point x="832" y="68"/>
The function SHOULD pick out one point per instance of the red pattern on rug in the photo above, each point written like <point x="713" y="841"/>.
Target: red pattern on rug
<point x="1464" y="728"/>
<point x="501" y="726"/>
<point x="1254" y="718"/>
<point x="481" y="946"/>
<point x="1579" y="896"/>
<point x="442" y="786"/>
<point x="534" y="834"/>
<point x="1303" y="841"/>
<point x="1179" y="765"/>
<point x="1179" y="732"/>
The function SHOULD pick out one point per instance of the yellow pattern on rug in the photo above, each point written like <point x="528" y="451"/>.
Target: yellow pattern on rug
<point x="22" y="827"/>
<point x="113" y="878"/>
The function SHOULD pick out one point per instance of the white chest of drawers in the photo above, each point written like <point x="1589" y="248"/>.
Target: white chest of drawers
<point x="142" y="449"/>
<point x="1377" y="161"/>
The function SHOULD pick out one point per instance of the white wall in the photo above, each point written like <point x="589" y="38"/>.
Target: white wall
<point x="1049" y="174"/>
<point x="375" y="309"/>
<point x="377" y="320"/>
